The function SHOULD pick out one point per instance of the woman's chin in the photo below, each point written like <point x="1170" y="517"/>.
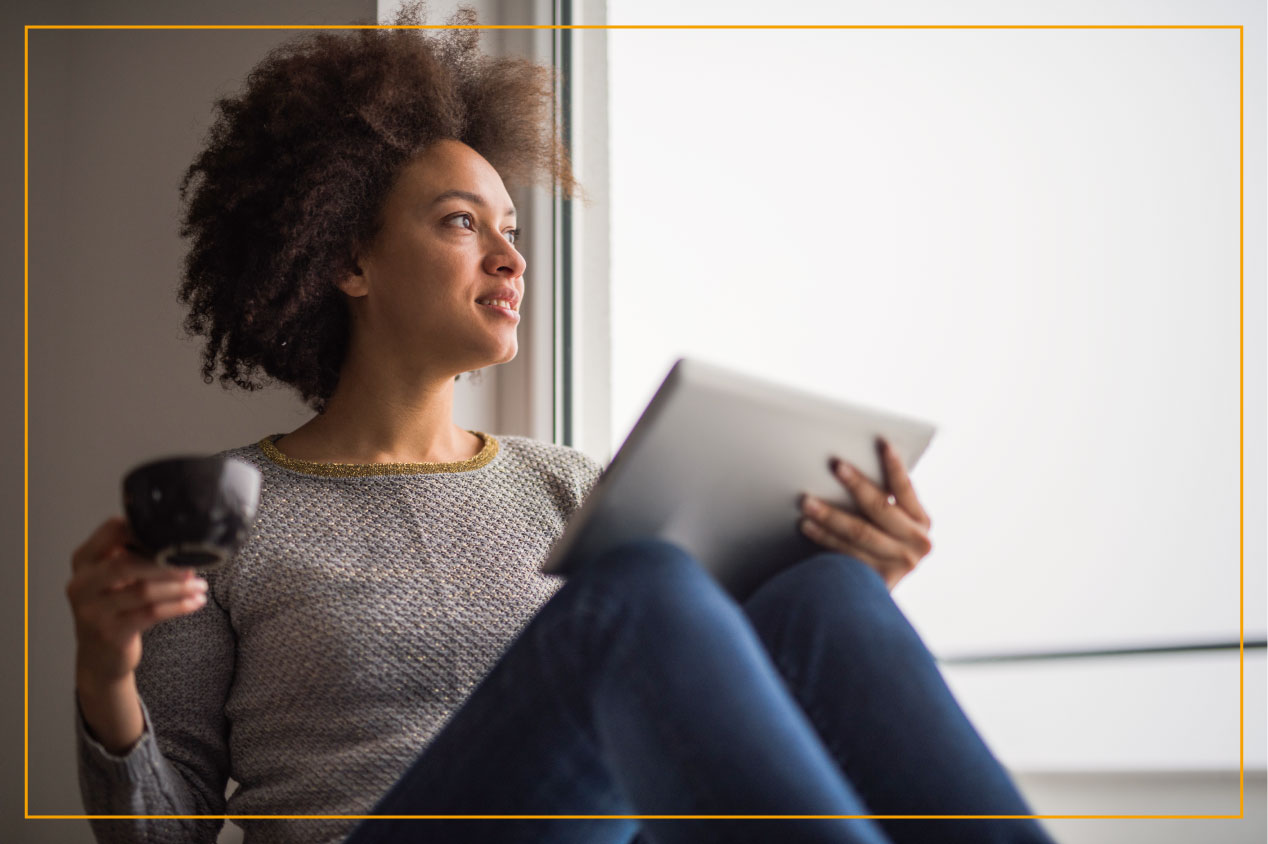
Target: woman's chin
<point x="506" y="355"/>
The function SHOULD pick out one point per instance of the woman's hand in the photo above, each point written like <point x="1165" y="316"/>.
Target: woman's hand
<point x="890" y="536"/>
<point x="115" y="596"/>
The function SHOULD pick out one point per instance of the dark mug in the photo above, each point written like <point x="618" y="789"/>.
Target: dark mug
<point x="191" y="511"/>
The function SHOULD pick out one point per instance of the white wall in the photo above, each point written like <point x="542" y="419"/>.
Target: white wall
<point x="1028" y="237"/>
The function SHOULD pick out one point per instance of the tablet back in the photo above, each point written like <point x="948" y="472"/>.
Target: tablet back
<point x="717" y="463"/>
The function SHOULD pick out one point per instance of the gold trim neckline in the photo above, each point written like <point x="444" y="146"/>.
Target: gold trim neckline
<point x="364" y="470"/>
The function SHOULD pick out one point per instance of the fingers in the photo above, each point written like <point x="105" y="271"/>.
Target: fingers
<point x="151" y="592"/>
<point x="109" y="622"/>
<point x="873" y="502"/>
<point x="110" y="533"/>
<point x="148" y="615"/>
<point x="116" y="595"/>
<point x="898" y="482"/>
<point x="891" y="571"/>
<point x="109" y="582"/>
<point x="835" y="523"/>
<point x="890" y="533"/>
<point x="819" y="534"/>
<point x="121" y="569"/>
<point x="117" y="617"/>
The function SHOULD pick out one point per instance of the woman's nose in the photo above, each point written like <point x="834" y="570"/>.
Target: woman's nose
<point x="505" y="259"/>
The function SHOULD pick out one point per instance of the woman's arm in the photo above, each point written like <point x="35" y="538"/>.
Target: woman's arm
<point x="180" y="762"/>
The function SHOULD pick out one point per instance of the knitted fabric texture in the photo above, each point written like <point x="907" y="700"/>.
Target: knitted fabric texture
<point x="358" y="616"/>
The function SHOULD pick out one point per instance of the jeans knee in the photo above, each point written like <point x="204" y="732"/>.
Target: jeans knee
<point x="643" y="560"/>
<point x="653" y="574"/>
<point x="832" y="572"/>
<point x="828" y="584"/>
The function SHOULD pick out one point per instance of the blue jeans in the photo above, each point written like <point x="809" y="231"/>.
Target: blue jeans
<point x="643" y="688"/>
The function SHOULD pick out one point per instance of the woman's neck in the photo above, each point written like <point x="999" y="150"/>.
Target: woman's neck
<point x="366" y="423"/>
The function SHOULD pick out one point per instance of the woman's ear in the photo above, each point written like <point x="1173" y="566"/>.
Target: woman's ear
<point x="354" y="283"/>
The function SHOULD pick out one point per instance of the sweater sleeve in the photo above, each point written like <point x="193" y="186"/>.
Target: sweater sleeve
<point x="180" y="765"/>
<point x="588" y="476"/>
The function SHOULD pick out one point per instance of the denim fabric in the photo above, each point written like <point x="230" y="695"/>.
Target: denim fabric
<point x="643" y="688"/>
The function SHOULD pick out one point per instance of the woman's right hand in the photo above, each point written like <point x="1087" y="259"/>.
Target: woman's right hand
<point x="115" y="595"/>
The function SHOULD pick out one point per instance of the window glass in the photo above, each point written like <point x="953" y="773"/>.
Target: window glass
<point x="1027" y="237"/>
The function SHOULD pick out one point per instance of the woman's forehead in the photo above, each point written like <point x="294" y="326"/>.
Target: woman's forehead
<point x="452" y="170"/>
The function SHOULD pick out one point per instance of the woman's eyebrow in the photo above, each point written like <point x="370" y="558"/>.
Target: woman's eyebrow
<point x="470" y="197"/>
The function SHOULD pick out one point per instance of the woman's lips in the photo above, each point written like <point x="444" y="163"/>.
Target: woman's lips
<point x="506" y="312"/>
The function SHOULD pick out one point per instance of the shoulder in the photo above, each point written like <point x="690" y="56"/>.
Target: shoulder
<point x="574" y="468"/>
<point x="248" y="453"/>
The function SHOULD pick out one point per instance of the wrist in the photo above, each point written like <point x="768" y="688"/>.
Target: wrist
<point x="90" y="679"/>
<point x="94" y="686"/>
<point x="111" y="711"/>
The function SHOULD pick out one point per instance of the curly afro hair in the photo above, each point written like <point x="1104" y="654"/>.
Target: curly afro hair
<point x="297" y="167"/>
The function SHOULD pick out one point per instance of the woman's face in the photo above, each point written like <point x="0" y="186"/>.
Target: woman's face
<point x="444" y="252"/>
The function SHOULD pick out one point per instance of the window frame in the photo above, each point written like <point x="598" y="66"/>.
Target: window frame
<point x="557" y="389"/>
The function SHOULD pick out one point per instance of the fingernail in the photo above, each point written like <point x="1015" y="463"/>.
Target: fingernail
<point x="882" y="445"/>
<point x="844" y="469"/>
<point x="199" y="584"/>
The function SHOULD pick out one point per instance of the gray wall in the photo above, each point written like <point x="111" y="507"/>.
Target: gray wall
<point x="115" y="117"/>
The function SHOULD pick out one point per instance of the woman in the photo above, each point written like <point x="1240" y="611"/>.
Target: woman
<point x="353" y="237"/>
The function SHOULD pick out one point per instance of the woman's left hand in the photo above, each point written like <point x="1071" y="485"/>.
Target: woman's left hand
<point x="890" y="536"/>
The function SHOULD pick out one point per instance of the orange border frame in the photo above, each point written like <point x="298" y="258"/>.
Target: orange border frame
<point x="25" y="423"/>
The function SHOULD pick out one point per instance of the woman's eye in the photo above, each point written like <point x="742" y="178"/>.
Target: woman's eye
<point x="512" y="235"/>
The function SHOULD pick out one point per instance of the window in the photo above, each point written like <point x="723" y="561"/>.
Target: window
<point x="1028" y="237"/>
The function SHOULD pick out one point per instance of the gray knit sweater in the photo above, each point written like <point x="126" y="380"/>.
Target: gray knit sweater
<point x="367" y="604"/>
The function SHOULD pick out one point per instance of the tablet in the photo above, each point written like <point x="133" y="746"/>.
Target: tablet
<point x="717" y="464"/>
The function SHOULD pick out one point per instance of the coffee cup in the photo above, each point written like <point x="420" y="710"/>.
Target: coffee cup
<point x="191" y="511"/>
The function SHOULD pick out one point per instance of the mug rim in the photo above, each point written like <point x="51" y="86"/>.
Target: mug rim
<point x="157" y="463"/>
